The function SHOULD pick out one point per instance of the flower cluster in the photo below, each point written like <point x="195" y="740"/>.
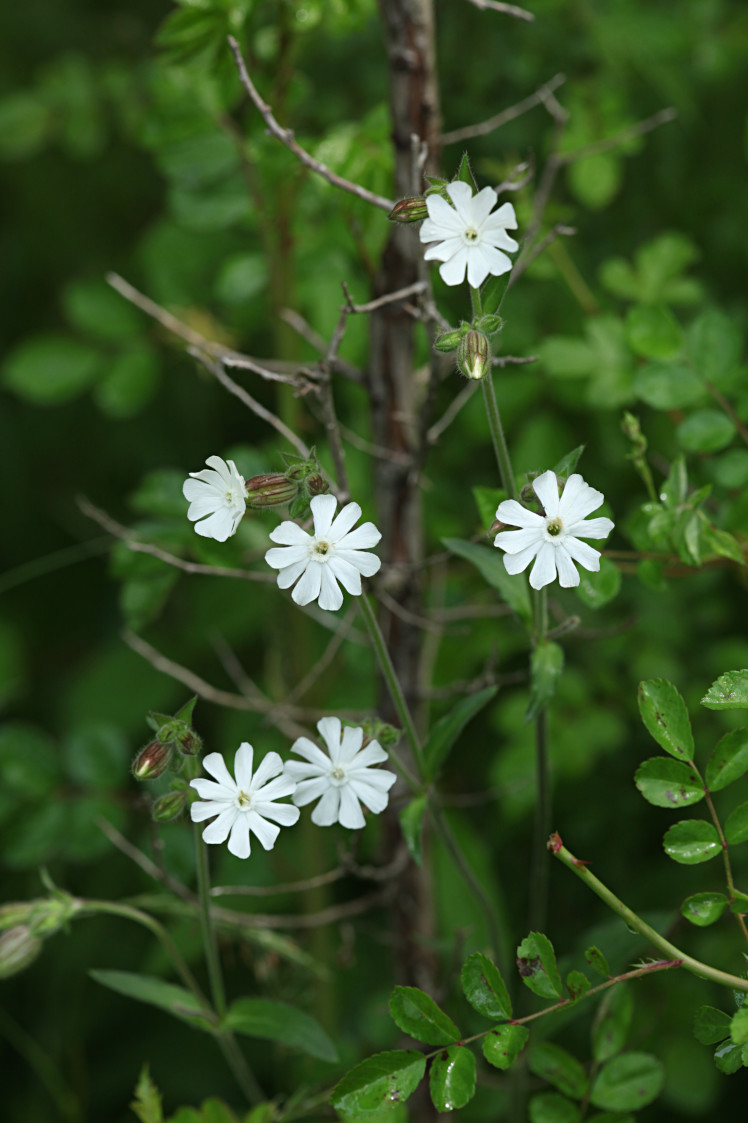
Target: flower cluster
<point x="248" y="804"/>
<point x="552" y="539"/>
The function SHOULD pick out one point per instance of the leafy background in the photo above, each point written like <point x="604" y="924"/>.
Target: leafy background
<point x="118" y="154"/>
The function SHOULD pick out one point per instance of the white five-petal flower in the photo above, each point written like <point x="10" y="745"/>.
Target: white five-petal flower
<point x="552" y="539"/>
<point x="245" y="804"/>
<point x="335" y="552"/>
<point x="467" y="235"/>
<point x="218" y="497"/>
<point x="343" y="780"/>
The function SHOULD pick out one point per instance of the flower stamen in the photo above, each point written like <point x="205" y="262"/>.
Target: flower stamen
<point x="554" y="527"/>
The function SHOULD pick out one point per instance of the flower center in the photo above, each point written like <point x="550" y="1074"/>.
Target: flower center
<point x="321" y="549"/>
<point x="554" y="527"/>
<point x="244" y="801"/>
<point x="338" y="777"/>
<point x="471" y="234"/>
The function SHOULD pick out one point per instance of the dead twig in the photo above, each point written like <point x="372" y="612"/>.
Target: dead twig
<point x="483" y="128"/>
<point x="505" y="9"/>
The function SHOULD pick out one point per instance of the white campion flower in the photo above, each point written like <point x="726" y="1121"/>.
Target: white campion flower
<point x="335" y="552"/>
<point x="244" y="804"/>
<point x="218" y="497"/>
<point x="553" y="539"/>
<point x="342" y="780"/>
<point x="468" y="236"/>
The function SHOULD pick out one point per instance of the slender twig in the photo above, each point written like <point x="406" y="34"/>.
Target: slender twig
<point x="630" y="918"/>
<point x="559" y="230"/>
<point x="281" y="889"/>
<point x="323" y="662"/>
<point x="505" y="9"/>
<point x="286" y="137"/>
<point x="126" y="535"/>
<point x="540" y="96"/>
<point x="727" y="406"/>
<point x="460" y="399"/>
<point x="662" y="117"/>
<point x="147" y="866"/>
<point x="388" y="298"/>
<point x="725" y="853"/>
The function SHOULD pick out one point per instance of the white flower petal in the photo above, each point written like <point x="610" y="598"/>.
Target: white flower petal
<point x="265" y="831"/>
<point x="496" y="261"/>
<point x="271" y="765"/>
<point x="291" y="573"/>
<point x="510" y="511"/>
<point x="373" y="797"/>
<point x="372" y="754"/>
<point x="514" y="541"/>
<point x="503" y="217"/>
<point x="243" y="766"/>
<point x="239" y="837"/>
<point x="330" y="596"/>
<point x="582" y="553"/>
<point x="443" y="219"/>
<point x="326" y="811"/>
<point x="364" y="537"/>
<point x="220" y="525"/>
<point x="309" y="790"/>
<point x="567" y="573"/>
<point x="290" y="534"/>
<point x="590" y="528"/>
<point x="578" y="500"/>
<point x="209" y="789"/>
<point x="306" y="748"/>
<point x="323" y="509"/>
<point x="348" y="576"/>
<point x="310" y="583"/>
<point x="350" y="814"/>
<point x="330" y="729"/>
<point x="350" y="744"/>
<point x="344" y="522"/>
<point x="546" y="489"/>
<point x="378" y="778"/>
<point x="544" y="570"/>
<point x="516" y="563"/>
<point x="199" y="812"/>
<point x="218" y="831"/>
<point x="215" y="765"/>
<point x="453" y="271"/>
<point x="461" y="195"/>
<point x="482" y="205"/>
<point x="283" y="813"/>
<point x="442" y="251"/>
<point x="278" y="788"/>
<point x="366" y="564"/>
<point x="477" y="266"/>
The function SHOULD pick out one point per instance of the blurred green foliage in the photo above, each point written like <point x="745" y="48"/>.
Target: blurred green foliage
<point x="125" y="146"/>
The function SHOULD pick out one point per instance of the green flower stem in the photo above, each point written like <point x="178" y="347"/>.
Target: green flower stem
<point x="702" y="970"/>
<point x="396" y="693"/>
<point x="540" y="862"/>
<point x="210" y="945"/>
<point x="114" y="908"/>
<point x="497" y="437"/>
<point x="725" y="853"/>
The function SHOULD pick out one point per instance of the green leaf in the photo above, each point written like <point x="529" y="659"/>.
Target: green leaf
<point x="739" y="903"/>
<point x="29" y="760"/>
<point x="546" y="665"/>
<point x="612" y="1023"/>
<point x="668" y="385"/>
<point x="503" y="1043"/>
<point x="94" y="308"/>
<point x="411" y="823"/>
<point x="567" y="464"/>
<point x="652" y="332"/>
<point x="597" y="589"/>
<point x="414" y="1012"/>
<point x="577" y="985"/>
<point x="97" y="755"/>
<point x="595" y="180"/>
<point x="536" y="963"/>
<point x="668" y="783"/>
<point x="452" y="1078"/>
<point x="24" y="125"/>
<point x="628" y="1082"/>
<point x="736" y="827"/>
<point x="720" y="542"/>
<point x="549" y="1107"/>
<point x="731" y="469"/>
<point x="729" y="761"/>
<point x="493" y="293"/>
<point x="484" y="987"/>
<point x="711" y="1025"/>
<point x="50" y="369"/>
<point x="714" y="345"/>
<point x="155" y="992"/>
<point x="705" y="430"/>
<point x="380" y="1081"/>
<point x="487" y="500"/>
<point x="128" y="384"/>
<point x="664" y="713"/>
<point x="739" y="1027"/>
<point x="567" y="358"/>
<point x="490" y="564"/>
<point x="692" y="841"/>
<point x="279" y="1021"/>
<point x="729" y="692"/>
<point x="597" y="961"/>
<point x="728" y="1057"/>
<point x="560" y="1068"/>
<point x="147" y="1102"/>
<point x="464" y="172"/>
<point x="446" y="731"/>
<point x="703" y="909"/>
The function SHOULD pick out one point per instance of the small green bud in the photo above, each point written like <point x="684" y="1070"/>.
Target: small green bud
<point x="152" y="761"/>
<point x="448" y="341"/>
<point x="49" y="914"/>
<point x="169" y="807"/>
<point x="490" y="323"/>
<point x="188" y="742"/>
<point x="474" y="355"/>
<point x="412" y="209"/>
<point x="19" y="947"/>
<point x="376" y="730"/>
<point x="273" y="489"/>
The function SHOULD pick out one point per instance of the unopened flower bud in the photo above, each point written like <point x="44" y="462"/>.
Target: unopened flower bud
<point x="448" y="341"/>
<point x="169" y="807"/>
<point x="474" y="355"/>
<point x="490" y="323"/>
<point x="189" y="742"/>
<point x="273" y="489"/>
<point x="49" y="914"/>
<point x="376" y="730"/>
<point x="18" y="950"/>
<point x="412" y="209"/>
<point x="152" y="761"/>
<point x="317" y="485"/>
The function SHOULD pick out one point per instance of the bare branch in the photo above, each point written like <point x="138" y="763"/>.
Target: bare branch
<point x="286" y="137"/>
<point x="559" y="230"/>
<point x="388" y="298"/>
<point x="216" y="369"/>
<point x="126" y="535"/>
<point x="142" y="860"/>
<point x="461" y="399"/>
<point x="663" y="117"/>
<point x="280" y="889"/>
<point x="505" y="9"/>
<point x="540" y="97"/>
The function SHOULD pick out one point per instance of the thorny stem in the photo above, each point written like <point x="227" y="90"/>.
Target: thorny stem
<point x="702" y="970"/>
